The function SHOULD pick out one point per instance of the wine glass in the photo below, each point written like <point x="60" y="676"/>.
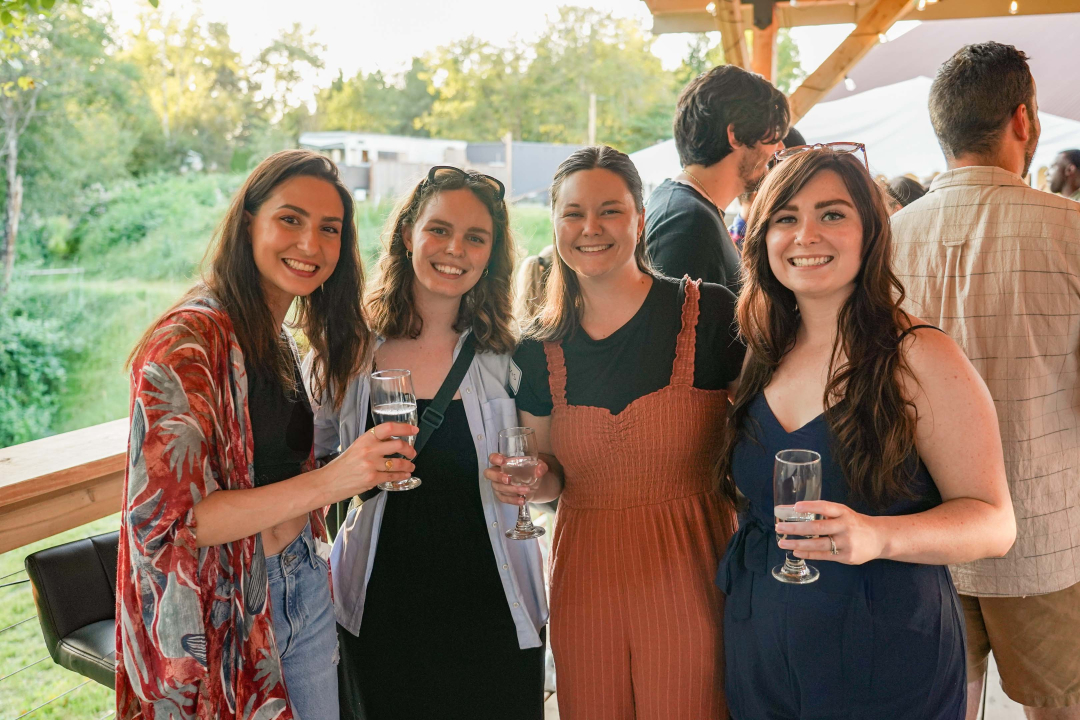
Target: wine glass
<point x="796" y="477"/>
<point x="518" y="446"/>
<point x="393" y="400"/>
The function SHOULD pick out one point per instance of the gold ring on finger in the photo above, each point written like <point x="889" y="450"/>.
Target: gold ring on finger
<point x="832" y="544"/>
<point x="390" y="465"/>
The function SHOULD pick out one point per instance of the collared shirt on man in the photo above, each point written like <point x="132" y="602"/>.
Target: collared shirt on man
<point x="996" y="264"/>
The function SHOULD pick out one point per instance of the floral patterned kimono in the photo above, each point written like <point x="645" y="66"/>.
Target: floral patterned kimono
<point x="194" y="631"/>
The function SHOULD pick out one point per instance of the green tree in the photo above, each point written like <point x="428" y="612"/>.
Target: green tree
<point x="789" y="69"/>
<point x="197" y="85"/>
<point x="541" y="91"/>
<point x="373" y="102"/>
<point x="69" y="115"/>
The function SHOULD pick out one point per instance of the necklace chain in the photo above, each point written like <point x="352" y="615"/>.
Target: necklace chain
<point x="701" y="186"/>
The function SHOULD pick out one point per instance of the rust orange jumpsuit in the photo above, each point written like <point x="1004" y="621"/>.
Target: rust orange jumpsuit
<point x="636" y="619"/>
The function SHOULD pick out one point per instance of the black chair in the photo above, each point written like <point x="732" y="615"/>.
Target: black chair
<point x="75" y="593"/>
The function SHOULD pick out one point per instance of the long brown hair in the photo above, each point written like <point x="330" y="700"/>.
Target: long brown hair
<point x="873" y="422"/>
<point x="487" y="308"/>
<point x="331" y="317"/>
<point x="563" y="305"/>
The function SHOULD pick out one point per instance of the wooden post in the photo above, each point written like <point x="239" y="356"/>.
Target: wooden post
<point x="729" y="23"/>
<point x="763" y="61"/>
<point x="862" y="39"/>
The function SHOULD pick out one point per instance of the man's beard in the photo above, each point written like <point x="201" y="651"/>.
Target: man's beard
<point x="751" y="172"/>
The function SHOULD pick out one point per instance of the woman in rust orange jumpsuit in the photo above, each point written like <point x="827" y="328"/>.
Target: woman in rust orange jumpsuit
<point x="624" y="378"/>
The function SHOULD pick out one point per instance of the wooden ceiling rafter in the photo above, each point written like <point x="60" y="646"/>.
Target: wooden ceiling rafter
<point x="691" y="15"/>
<point x="729" y="22"/>
<point x="881" y="16"/>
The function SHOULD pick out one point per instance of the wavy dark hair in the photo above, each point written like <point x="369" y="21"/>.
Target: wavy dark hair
<point x="331" y="318"/>
<point x="873" y="422"/>
<point x="487" y="308"/>
<point x="559" y="314"/>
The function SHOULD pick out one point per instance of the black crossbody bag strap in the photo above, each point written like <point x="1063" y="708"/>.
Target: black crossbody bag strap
<point x="435" y="413"/>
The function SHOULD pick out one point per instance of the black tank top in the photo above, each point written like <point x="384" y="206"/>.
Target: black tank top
<point x="282" y="425"/>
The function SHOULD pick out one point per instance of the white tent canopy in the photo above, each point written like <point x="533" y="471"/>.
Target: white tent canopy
<point x="894" y="124"/>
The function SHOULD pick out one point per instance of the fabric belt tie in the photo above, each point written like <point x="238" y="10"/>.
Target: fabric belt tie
<point x="748" y="549"/>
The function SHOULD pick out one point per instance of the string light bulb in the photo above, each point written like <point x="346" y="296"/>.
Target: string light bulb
<point x="882" y="38"/>
<point x="922" y="5"/>
<point x="711" y="8"/>
<point x="1014" y="7"/>
<point x="849" y="84"/>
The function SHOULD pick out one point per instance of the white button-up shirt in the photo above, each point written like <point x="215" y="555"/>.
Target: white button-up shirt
<point x="489" y="409"/>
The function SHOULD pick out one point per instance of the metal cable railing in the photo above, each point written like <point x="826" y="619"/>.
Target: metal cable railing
<point x="24" y="667"/>
<point x="15" y="625"/>
<point x="31" y="711"/>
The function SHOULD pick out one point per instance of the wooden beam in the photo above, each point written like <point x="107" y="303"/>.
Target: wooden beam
<point x="690" y="15"/>
<point x="43" y="517"/>
<point x="878" y="20"/>
<point x="729" y="23"/>
<point x="763" y="61"/>
<point x="51" y="485"/>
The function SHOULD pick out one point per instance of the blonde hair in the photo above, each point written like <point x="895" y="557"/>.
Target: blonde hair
<point x="529" y="283"/>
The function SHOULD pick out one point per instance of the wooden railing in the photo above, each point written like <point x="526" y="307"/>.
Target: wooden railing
<point x="51" y="485"/>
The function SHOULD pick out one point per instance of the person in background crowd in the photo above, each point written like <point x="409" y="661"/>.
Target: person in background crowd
<point x="912" y="471"/>
<point x="529" y="283"/>
<point x="441" y="615"/>
<point x="728" y="123"/>
<point x="223" y="594"/>
<point x="737" y="231"/>
<point x="624" y="378"/>
<point x="994" y="262"/>
<point x="1065" y="174"/>
<point x="904" y="190"/>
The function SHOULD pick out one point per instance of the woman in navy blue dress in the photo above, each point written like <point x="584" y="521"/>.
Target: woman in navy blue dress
<point x="913" y="476"/>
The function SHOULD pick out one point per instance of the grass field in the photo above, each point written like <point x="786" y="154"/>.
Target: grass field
<point x="113" y="303"/>
<point x="21" y="644"/>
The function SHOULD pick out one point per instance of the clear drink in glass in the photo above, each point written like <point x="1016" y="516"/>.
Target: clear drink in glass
<point x="393" y="400"/>
<point x="796" y="478"/>
<point x="518" y="446"/>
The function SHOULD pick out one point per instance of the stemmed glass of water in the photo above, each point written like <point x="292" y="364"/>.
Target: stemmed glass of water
<point x="796" y="477"/>
<point x="518" y="446"/>
<point x="393" y="400"/>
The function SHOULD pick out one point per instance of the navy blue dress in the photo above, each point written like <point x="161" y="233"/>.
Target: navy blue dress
<point x="880" y="640"/>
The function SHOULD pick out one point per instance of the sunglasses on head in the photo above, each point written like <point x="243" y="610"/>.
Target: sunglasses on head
<point x="843" y="148"/>
<point x="441" y="173"/>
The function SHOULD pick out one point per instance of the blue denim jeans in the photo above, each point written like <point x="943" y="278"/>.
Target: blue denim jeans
<point x="305" y="629"/>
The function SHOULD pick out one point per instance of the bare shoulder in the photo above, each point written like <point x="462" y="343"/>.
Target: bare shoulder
<point x="928" y="350"/>
<point x="943" y="381"/>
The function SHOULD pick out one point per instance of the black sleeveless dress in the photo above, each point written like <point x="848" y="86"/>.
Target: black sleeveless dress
<point x="880" y="640"/>
<point x="437" y="639"/>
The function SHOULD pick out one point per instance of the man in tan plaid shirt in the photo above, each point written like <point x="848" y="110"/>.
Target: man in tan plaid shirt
<point x="997" y="265"/>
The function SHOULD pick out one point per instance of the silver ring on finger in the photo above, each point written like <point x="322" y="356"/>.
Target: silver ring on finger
<point x="832" y="546"/>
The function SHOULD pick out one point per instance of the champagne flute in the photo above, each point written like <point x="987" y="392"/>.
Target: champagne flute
<point x="796" y="477"/>
<point x="393" y="400"/>
<point x="518" y="446"/>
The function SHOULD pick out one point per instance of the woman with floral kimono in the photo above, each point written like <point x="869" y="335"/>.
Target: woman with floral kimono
<point x="224" y="607"/>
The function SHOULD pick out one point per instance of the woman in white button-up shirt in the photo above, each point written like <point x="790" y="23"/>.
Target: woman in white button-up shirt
<point x="440" y="615"/>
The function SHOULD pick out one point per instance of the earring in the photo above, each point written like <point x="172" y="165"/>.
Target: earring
<point x="408" y="254"/>
<point x="485" y="274"/>
<point x="323" y="287"/>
